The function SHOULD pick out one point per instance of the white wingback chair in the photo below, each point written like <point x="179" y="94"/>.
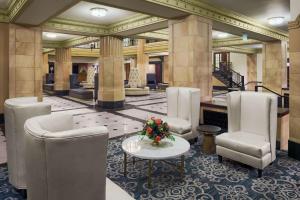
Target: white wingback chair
<point x="65" y="163"/>
<point x="16" y="112"/>
<point x="252" y="126"/>
<point x="183" y="111"/>
<point x="135" y="84"/>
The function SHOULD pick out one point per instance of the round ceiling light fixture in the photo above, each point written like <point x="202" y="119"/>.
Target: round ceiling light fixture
<point x="98" y="12"/>
<point x="275" y="21"/>
<point x="50" y="35"/>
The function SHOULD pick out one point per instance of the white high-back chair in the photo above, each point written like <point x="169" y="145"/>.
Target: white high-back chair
<point x="183" y="111"/>
<point x="252" y="126"/>
<point x="16" y="112"/>
<point x="65" y="163"/>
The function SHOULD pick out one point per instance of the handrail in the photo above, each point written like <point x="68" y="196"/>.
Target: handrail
<point x="256" y="82"/>
<point x="257" y="86"/>
<point x="285" y="98"/>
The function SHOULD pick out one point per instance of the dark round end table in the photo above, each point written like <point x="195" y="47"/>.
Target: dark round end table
<point x="209" y="132"/>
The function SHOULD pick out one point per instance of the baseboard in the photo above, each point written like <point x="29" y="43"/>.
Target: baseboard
<point x="294" y="150"/>
<point x="111" y="104"/>
<point x="61" y="92"/>
<point x="1" y="118"/>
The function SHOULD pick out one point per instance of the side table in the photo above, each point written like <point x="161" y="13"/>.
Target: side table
<point x="209" y="132"/>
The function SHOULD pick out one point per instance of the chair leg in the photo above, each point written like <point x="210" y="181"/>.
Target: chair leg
<point x="220" y="159"/>
<point x="23" y="193"/>
<point x="259" y="173"/>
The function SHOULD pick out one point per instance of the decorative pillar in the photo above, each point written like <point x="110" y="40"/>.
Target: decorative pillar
<point x="111" y="92"/>
<point x="4" y="62"/>
<point x="25" y="61"/>
<point x="294" y="49"/>
<point x="190" y="54"/>
<point x="274" y="64"/>
<point x="45" y="66"/>
<point x="166" y="69"/>
<point x="142" y="60"/>
<point x="251" y="70"/>
<point x="62" y="71"/>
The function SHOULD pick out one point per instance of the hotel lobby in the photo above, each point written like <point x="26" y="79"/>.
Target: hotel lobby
<point x="149" y="99"/>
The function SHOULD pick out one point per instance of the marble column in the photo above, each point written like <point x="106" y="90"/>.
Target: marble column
<point x="294" y="50"/>
<point x="190" y="54"/>
<point x="274" y="65"/>
<point x="142" y="60"/>
<point x="166" y="69"/>
<point x="25" y="61"/>
<point x="4" y="62"/>
<point x="62" y="70"/>
<point x="251" y="70"/>
<point x="111" y="92"/>
<point x="45" y="66"/>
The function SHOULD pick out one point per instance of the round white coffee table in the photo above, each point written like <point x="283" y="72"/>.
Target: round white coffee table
<point x="145" y="150"/>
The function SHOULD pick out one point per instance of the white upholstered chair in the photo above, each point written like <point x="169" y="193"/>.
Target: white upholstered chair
<point x="135" y="86"/>
<point x="252" y="126"/>
<point x="16" y="112"/>
<point x="63" y="163"/>
<point x="183" y="111"/>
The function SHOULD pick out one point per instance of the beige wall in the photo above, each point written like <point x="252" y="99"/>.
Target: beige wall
<point x="190" y="51"/>
<point x="274" y="65"/>
<point x="25" y="61"/>
<point x="294" y="51"/>
<point x="251" y="70"/>
<point x="4" y="29"/>
<point x="166" y="69"/>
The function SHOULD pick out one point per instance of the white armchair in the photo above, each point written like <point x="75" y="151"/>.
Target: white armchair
<point x="65" y="163"/>
<point x="16" y="112"/>
<point x="252" y="126"/>
<point x="183" y="111"/>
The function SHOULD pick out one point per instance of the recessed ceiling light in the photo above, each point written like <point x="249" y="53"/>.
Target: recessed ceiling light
<point x="98" y="12"/>
<point x="50" y="35"/>
<point x="275" y="21"/>
<point x="223" y="35"/>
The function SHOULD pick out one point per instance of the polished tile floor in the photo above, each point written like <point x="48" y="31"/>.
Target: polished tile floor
<point x="119" y="122"/>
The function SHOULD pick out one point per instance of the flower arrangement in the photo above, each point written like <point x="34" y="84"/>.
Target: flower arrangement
<point x="156" y="130"/>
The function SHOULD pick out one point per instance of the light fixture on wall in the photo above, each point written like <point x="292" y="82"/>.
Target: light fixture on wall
<point x="276" y="21"/>
<point x="98" y="12"/>
<point x="223" y="35"/>
<point x="50" y="35"/>
<point x="245" y="36"/>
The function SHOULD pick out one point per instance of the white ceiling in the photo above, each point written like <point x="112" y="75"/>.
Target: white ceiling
<point x="81" y="12"/>
<point x="218" y="34"/>
<point x="59" y="37"/>
<point x="259" y="10"/>
<point x="4" y="4"/>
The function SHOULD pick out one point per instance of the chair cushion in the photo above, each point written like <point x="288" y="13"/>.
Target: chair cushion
<point x="114" y="192"/>
<point x="243" y="142"/>
<point x="177" y="125"/>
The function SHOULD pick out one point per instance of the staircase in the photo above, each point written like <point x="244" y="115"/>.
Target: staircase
<point x="230" y="78"/>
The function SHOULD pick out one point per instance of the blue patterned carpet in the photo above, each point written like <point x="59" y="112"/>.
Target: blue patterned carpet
<point x="204" y="178"/>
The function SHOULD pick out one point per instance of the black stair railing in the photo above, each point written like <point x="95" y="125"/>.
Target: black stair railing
<point x="232" y="78"/>
<point x="283" y="100"/>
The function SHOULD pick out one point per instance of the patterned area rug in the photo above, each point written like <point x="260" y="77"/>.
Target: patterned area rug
<point x="205" y="178"/>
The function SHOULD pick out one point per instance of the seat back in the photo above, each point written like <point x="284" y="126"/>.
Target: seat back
<point x="134" y="78"/>
<point x="67" y="164"/>
<point x="16" y="112"/>
<point x="184" y="103"/>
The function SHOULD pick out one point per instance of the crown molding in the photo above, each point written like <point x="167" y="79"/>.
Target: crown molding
<point x="295" y="24"/>
<point x="75" y="27"/>
<point x="225" y="16"/>
<point x="238" y="50"/>
<point x="3" y="16"/>
<point x="15" y="7"/>
<point x="153" y="35"/>
<point x="236" y="41"/>
<point x="80" y="41"/>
